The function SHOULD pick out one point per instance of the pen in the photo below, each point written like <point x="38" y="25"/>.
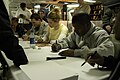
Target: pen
<point x="55" y="58"/>
<point x="56" y="42"/>
<point x="89" y="58"/>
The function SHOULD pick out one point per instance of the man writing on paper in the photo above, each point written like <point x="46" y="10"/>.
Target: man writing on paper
<point x="85" y="38"/>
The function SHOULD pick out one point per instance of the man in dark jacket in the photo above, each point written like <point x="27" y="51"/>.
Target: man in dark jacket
<point x="108" y="20"/>
<point x="8" y="42"/>
<point x="109" y="15"/>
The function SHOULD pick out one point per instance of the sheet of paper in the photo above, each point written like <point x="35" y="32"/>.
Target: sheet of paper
<point x="47" y="71"/>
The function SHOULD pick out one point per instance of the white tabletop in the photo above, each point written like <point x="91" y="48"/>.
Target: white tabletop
<point x="72" y="65"/>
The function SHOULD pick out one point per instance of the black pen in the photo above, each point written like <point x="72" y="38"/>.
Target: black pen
<point x="89" y="58"/>
<point x="56" y="42"/>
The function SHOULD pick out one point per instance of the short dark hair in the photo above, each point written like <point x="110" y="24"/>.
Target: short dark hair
<point x="35" y="16"/>
<point x="81" y="19"/>
<point x="14" y="19"/>
<point x="22" y="5"/>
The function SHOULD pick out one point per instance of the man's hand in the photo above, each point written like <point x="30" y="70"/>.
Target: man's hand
<point x="25" y="38"/>
<point x="98" y="59"/>
<point x="56" y="47"/>
<point x="69" y="53"/>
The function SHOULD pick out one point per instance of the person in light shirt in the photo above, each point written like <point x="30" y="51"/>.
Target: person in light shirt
<point x="56" y="30"/>
<point x="40" y="27"/>
<point x="23" y="14"/>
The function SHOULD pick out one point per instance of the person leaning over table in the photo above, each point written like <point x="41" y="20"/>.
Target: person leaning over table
<point x="9" y="44"/>
<point x="111" y="62"/>
<point x="85" y="38"/>
<point x="56" y="30"/>
<point x="115" y="39"/>
<point x="17" y="29"/>
<point x="40" y="27"/>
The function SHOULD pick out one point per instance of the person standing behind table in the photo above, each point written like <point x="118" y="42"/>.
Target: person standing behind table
<point x="8" y="42"/>
<point x="82" y="8"/>
<point x="85" y="38"/>
<point x="56" y="30"/>
<point x="40" y="27"/>
<point x="23" y="14"/>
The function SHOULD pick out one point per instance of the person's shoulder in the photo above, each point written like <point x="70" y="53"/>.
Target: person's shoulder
<point x="87" y="5"/>
<point x="100" y="31"/>
<point x="19" y="10"/>
<point x="63" y="26"/>
<point x="27" y="10"/>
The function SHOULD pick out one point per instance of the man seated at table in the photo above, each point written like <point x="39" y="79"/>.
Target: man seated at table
<point x="39" y="26"/>
<point x="111" y="62"/>
<point x="85" y="38"/>
<point x="17" y="29"/>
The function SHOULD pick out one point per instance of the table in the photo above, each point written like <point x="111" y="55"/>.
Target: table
<point x="38" y="56"/>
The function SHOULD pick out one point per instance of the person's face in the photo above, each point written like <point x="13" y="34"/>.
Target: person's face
<point x="42" y="14"/>
<point x="36" y="23"/>
<point x="23" y="8"/>
<point x="80" y="29"/>
<point x="80" y="1"/>
<point x="14" y="23"/>
<point x="51" y="23"/>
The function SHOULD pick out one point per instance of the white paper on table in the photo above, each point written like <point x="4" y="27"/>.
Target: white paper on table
<point x="47" y="71"/>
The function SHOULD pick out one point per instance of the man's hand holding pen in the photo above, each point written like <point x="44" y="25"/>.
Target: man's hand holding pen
<point x="56" y="47"/>
<point x="93" y="58"/>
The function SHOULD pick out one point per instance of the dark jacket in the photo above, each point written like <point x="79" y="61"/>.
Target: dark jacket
<point x="8" y="42"/>
<point x="107" y="17"/>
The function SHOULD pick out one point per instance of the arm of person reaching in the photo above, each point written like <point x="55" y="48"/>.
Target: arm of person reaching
<point x="102" y="44"/>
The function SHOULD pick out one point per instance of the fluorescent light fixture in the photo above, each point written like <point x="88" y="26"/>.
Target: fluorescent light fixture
<point x="73" y="5"/>
<point x="65" y="3"/>
<point x="37" y="6"/>
<point x="36" y="10"/>
<point x="91" y="1"/>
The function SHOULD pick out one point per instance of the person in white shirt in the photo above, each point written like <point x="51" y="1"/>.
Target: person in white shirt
<point x="23" y="14"/>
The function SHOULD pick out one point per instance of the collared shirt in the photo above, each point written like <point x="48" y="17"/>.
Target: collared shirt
<point x="42" y="30"/>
